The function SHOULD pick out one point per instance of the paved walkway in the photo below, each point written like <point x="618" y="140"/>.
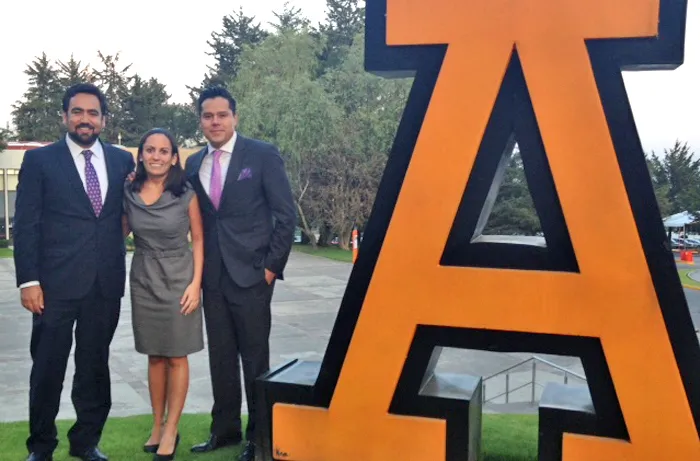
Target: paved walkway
<point x="304" y="311"/>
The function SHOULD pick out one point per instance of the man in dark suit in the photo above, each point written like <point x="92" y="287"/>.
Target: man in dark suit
<point x="249" y="222"/>
<point x="70" y="266"/>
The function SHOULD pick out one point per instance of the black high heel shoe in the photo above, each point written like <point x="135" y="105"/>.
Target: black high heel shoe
<point x="152" y="448"/>
<point x="171" y="456"/>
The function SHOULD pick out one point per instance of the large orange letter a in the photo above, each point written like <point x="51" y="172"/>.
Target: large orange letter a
<point x="603" y="288"/>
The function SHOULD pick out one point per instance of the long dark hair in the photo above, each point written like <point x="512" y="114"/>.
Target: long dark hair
<point x="176" y="181"/>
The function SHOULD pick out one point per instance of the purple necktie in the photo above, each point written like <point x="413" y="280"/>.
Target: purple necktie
<point x="215" y="185"/>
<point x="92" y="183"/>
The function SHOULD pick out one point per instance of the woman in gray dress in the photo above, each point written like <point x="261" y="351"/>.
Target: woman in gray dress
<point x="160" y="208"/>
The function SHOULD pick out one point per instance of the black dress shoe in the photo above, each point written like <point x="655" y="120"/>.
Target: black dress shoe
<point x="248" y="453"/>
<point x="215" y="442"/>
<point x="151" y="448"/>
<point x="38" y="457"/>
<point x="91" y="454"/>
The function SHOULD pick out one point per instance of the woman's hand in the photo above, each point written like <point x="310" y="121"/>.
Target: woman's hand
<point x="190" y="300"/>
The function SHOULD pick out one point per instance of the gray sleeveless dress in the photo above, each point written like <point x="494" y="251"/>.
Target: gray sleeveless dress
<point x="161" y="270"/>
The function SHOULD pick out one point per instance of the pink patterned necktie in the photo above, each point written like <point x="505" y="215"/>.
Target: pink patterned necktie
<point x="92" y="183"/>
<point x="215" y="185"/>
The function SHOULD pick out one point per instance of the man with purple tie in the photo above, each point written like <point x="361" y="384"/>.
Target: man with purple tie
<point x="249" y="221"/>
<point x="70" y="267"/>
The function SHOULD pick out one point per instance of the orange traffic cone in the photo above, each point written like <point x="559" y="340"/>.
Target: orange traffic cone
<point x="355" y="245"/>
<point x="687" y="257"/>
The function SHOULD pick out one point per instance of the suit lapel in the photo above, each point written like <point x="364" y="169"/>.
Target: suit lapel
<point x="113" y="174"/>
<point x="67" y="165"/>
<point x="234" y="167"/>
<point x="193" y="178"/>
<point x="197" y="159"/>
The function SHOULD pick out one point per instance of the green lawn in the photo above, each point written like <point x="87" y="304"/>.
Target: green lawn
<point x="506" y="438"/>
<point x="331" y="252"/>
<point x="5" y="253"/>
<point x="686" y="280"/>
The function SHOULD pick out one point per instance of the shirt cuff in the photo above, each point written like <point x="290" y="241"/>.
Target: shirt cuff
<point x="29" y="284"/>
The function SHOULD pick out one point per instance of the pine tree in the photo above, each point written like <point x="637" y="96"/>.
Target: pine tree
<point x="37" y="116"/>
<point x="114" y="82"/>
<point x="290" y="19"/>
<point x="345" y="19"/>
<point x="73" y="72"/>
<point x="238" y="31"/>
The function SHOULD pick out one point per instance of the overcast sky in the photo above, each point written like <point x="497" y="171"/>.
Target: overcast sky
<point x="167" y="40"/>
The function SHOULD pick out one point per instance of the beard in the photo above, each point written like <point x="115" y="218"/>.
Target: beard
<point x="84" y="140"/>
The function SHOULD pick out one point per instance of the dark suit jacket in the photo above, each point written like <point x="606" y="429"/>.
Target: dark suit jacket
<point x="253" y="229"/>
<point x="57" y="237"/>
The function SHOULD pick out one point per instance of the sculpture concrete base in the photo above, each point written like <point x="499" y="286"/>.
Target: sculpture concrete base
<point x="459" y="391"/>
<point x="293" y="383"/>
<point x="564" y="408"/>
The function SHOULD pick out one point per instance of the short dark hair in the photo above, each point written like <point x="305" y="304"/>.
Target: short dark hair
<point x="215" y="92"/>
<point x="176" y="182"/>
<point x="87" y="88"/>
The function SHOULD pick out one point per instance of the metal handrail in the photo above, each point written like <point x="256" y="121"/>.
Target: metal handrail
<point x="523" y="386"/>
<point x="560" y="368"/>
<point x="534" y="359"/>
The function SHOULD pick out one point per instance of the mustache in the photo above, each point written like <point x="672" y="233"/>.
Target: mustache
<point x="85" y="125"/>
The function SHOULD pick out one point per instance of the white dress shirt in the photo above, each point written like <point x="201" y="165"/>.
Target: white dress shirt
<point x="98" y="162"/>
<point x="224" y="161"/>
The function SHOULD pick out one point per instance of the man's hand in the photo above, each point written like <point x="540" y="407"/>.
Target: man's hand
<point x="33" y="299"/>
<point x="269" y="276"/>
<point x="131" y="176"/>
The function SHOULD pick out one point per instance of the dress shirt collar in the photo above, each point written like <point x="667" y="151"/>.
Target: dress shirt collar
<point x="76" y="150"/>
<point x="228" y="147"/>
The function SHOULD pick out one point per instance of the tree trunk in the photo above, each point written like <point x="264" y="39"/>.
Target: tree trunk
<point x="305" y="228"/>
<point x="344" y="239"/>
<point x="326" y="236"/>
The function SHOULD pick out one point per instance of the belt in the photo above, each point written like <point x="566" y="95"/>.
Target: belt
<point x="161" y="253"/>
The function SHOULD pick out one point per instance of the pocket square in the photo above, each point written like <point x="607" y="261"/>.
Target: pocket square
<point x="246" y="173"/>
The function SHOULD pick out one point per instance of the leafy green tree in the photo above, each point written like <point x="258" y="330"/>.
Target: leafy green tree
<point x="372" y="107"/>
<point x="334" y="132"/>
<point x="145" y="106"/>
<point x="5" y="136"/>
<point x="183" y="123"/>
<point x="279" y="101"/>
